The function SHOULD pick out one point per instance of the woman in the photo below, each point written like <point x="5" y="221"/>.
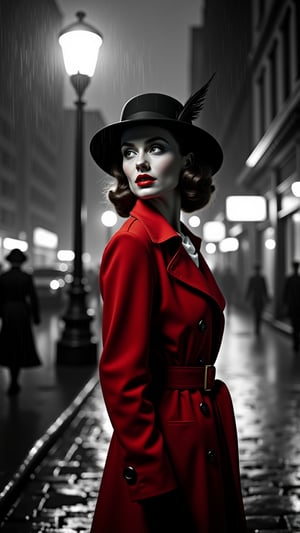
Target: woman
<point x="172" y="464"/>
<point x="18" y="306"/>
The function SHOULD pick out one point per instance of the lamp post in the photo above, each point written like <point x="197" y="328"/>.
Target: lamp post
<point x="80" y="44"/>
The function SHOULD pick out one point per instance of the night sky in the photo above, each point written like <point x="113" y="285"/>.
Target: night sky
<point x="145" y="49"/>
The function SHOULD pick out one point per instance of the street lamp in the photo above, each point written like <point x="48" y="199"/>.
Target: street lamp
<point x="214" y="231"/>
<point x="80" y="44"/>
<point x="109" y="220"/>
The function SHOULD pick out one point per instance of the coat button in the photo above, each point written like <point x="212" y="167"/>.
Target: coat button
<point x="130" y="475"/>
<point x="211" y="456"/>
<point x="204" y="408"/>
<point x="201" y="361"/>
<point x="202" y="325"/>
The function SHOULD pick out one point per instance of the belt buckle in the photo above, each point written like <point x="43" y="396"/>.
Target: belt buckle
<point x="205" y="387"/>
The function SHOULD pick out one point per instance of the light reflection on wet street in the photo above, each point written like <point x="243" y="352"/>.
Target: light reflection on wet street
<point x="263" y="374"/>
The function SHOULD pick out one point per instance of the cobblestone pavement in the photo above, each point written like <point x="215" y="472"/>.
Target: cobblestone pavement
<point x="263" y="376"/>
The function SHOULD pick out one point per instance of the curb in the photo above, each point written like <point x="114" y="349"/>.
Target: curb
<point x="41" y="447"/>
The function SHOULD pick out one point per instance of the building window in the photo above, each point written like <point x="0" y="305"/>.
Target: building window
<point x="43" y="148"/>
<point x="260" y="12"/>
<point x="7" y="189"/>
<point x="39" y="199"/>
<point x="296" y="235"/>
<point x="273" y="57"/>
<point x="6" y="130"/>
<point x="7" y="160"/>
<point x="286" y="54"/>
<point x="42" y="174"/>
<point x="261" y="103"/>
<point x="292" y="239"/>
<point x="297" y="11"/>
<point x="7" y="218"/>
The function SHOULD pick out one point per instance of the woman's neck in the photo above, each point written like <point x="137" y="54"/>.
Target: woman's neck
<point x="169" y="207"/>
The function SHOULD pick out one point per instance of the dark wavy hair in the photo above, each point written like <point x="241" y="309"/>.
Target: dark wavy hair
<point x="195" y="187"/>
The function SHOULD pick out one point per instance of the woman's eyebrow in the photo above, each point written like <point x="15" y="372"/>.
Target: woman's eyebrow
<point x="153" y="139"/>
<point x="126" y="144"/>
<point x="147" y="141"/>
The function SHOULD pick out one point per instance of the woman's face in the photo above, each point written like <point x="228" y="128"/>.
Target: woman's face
<point x="152" y="161"/>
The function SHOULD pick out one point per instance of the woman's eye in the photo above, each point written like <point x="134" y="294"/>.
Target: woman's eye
<point x="128" y="153"/>
<point x="156" y="149"/>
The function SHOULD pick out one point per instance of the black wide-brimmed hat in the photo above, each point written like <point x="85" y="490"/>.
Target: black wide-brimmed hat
<point x="16" y="256"/>
<point x="163" y="111"/>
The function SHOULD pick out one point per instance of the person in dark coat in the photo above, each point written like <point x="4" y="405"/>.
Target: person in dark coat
<point x="257" y="295"/>
<point x="172" y="463"/>
<point x="229" y="286"/>
<point x="291" y="299"/>
<point x="18" y="308"/>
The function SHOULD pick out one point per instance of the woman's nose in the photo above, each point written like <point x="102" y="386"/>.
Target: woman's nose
<point x="142" y="163"/>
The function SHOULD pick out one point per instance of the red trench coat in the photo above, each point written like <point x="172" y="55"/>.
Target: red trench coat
<point x="159" y="310"/>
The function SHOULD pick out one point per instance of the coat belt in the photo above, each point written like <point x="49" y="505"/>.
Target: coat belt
<point x="190" y="377"/>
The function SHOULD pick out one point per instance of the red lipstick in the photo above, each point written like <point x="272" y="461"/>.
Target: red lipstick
<point x="144" y="180"/>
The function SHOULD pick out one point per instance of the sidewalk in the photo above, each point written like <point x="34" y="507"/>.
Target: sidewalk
<point x="50" y="397"/>
<point x="30" y="422"/>
<point x="61" y="494"/>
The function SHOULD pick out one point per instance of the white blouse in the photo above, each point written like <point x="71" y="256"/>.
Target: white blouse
<point x="190" y="248"/>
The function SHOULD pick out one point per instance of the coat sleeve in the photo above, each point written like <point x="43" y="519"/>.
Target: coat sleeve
<point x="127" y="282"/>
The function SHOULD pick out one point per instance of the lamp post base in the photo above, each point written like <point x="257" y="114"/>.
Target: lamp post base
<point x="77" y="345"/>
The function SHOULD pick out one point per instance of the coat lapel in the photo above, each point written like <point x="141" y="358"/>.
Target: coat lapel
<point x="184" y="269"/>
<point x="179" y="264"/>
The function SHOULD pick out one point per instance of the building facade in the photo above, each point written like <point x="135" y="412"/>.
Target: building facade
<point x="253" y="109"/>
<point x="31" y="74"/>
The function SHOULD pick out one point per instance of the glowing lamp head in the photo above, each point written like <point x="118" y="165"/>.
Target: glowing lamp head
<point x="80" y="43"/>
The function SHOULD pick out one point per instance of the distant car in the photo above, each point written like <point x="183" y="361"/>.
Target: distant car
<point x="50" y="282"/>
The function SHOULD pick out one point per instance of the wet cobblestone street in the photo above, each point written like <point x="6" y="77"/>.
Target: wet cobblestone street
<point x="61" y="494"/>
<point x="263" y="377"/>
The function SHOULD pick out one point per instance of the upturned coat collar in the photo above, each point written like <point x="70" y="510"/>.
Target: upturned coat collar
<point x="180" y="265"/>
<point x="158" y="227"/>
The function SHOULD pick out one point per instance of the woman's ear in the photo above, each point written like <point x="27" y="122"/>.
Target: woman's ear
<point x="188" y="160"/>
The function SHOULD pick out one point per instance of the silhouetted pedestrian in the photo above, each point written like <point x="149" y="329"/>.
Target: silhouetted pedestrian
<point x="18" y="307"/>
<point x="229" y="286"/>
<point x="257" y="294"/>
<point x="291" y="298"/>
